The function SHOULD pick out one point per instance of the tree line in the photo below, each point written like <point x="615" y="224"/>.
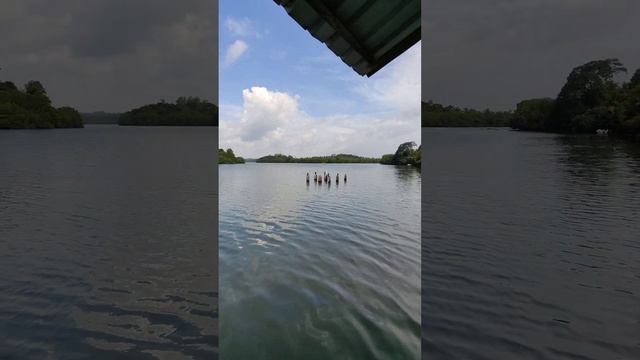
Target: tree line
<point x="407" y="154"/>
<point x="100" y="117"/>
<point x="591" y="99"/>
<point x="186" y="111"/>
<point x="31" y="108"/>
<point x="437" y="115"/>
<point x="334" y="159"/>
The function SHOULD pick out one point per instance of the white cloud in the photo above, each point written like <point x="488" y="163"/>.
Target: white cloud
<point x="272" y="122"/>
<point x="397" y="87"/>
<point x="266" y="112"/>
<point x="235" y="51"/>
<point x="241" y="27"/>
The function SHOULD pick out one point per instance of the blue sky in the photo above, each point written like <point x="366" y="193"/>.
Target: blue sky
<point x="283" y="91"/>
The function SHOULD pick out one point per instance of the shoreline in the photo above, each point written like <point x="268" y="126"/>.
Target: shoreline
<point x="614" y="136"/>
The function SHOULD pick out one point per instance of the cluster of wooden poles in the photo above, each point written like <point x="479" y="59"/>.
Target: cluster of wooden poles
<point x="325" y="177"/>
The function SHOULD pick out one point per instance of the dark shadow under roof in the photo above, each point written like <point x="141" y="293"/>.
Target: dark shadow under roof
<point x="365" y="34"/>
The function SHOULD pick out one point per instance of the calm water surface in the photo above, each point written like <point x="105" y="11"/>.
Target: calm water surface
<point x="108" y="243"/>
<point x="531" y="246"/>
<point x="318" y="272"/>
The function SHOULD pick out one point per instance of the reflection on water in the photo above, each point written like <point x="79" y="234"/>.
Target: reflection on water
<point x="530" y="246"/>
<point x="318" y="271"/>
<point x="108" y="238"/>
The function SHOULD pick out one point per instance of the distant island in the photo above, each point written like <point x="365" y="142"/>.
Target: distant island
<point x="30" y="108"/>
<point x="590" y="100"/>
<point x="332" y="159"/>
<point x="100" y="117"/>
<point x="407" y="154"/>
<point x="186" y="111"/>
<point x="228" y="157"/>
<point x="437" y="115"/>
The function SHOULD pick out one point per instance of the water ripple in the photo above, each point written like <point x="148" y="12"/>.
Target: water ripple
<point x="319" y="272"/>
<point x="108" y="254"/>
<point x="530" y="246"/>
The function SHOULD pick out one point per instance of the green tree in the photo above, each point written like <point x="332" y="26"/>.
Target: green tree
<point x="630" y="125"/>
<point x="589" y="93"/>
<point x="532" y="114"/>
<point x="406" y="154"/>
<point x="34" y="88"/>
<point x="31" y="108"/>
<point x="635" y="79"/>
<point x="228" y="157"/>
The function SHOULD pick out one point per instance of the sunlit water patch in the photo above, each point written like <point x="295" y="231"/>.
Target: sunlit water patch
<point x="313" y="271"/>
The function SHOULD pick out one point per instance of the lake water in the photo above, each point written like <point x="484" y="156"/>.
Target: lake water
<point x="108" y="238"/>
<point x="531" y="246"/>
<point x="318" y="272"/>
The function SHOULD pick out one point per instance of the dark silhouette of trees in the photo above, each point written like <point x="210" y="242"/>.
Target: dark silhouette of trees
<point x="532" y="114"/>
<point x="186" y="111"/>
<point x="590" y="99"/>
<point x="31" y="108"/>
<point x="437" y="115"/>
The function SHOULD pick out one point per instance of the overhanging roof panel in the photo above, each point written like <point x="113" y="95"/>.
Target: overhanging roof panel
<point x="365" y="34"/>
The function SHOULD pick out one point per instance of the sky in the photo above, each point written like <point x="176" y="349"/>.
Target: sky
<point x="283" y="91"/>
<point x="494" y="53"/>
<point x="111" y="55"/>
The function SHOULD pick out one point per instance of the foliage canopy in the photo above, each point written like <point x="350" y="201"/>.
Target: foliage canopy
<point x="186" y="111"/>
<point x="590" y="99"/>
<point x="228" y="157"/>
<point x="407" y="154"/>
<point x="30" y="108"/>
<point x="437" y="115"/>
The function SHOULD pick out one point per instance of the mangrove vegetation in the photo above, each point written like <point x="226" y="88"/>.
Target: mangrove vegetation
<point x="407" y="154"/>
<point x="186" y="111"/>
<point x="31" y="108"/>
<point x="332" y="159"/>
<point x="437" y="115"/>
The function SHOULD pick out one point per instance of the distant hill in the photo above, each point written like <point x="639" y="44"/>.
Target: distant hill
<point x="100" y="117"/>
<point x="186" y="111"/>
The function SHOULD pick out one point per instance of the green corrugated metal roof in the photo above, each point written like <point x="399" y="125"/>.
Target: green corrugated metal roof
<point x="365" y="34"/>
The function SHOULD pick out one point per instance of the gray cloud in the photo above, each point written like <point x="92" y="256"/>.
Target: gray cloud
<point x="494" y="53"/>
<point x="111" y="55"/>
